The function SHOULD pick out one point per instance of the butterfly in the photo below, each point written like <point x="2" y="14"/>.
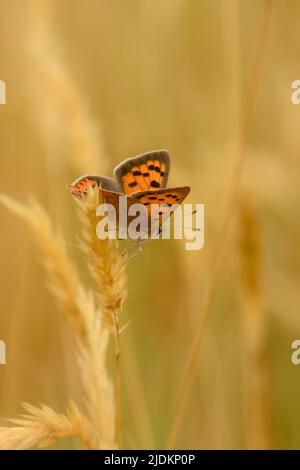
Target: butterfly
<point x="142" y="179"/>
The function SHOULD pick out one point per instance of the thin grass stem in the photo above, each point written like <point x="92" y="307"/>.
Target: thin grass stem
<point x="189" y="368"/>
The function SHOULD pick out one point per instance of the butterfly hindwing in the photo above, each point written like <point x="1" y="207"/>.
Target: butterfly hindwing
<point x="165" y="198"/>
<point x="113" y="198"/>
<point x="145" y="172"/>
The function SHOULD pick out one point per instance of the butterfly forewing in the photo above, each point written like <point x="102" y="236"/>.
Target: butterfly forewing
<point x="145" y="172"/>
<point x="80" y="185"/>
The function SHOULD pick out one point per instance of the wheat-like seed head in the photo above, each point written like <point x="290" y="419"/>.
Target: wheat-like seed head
<point x="106" y="265"/>
<point x="43" y="426"/>
<point x="92" y="336"/>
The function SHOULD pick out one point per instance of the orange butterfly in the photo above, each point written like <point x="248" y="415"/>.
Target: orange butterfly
<point x="143" y="179"/>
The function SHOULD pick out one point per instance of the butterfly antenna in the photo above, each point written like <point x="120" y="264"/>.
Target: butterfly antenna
<point x="193" y="212"/>
<point x="194" y="229"/>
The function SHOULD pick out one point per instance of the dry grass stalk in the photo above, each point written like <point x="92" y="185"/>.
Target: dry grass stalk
<point x="189" y="369"/>
<point x="99" y="395"/>
<point x="43" y="426"/>
<point x="80" y="308"/>
<point x="253" y="330"/>
<point x="107" y="267"/>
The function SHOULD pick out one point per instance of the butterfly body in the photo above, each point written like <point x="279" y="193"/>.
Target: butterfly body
<point x="142" y="180"/>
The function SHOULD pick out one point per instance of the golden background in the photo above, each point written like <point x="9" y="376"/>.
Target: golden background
<point x="92" y="82"/>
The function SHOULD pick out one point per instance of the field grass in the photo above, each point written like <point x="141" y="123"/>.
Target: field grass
<point x="204" y="360"/>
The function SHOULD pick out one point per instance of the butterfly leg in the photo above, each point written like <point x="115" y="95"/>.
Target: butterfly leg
<point x="135" y="248"/>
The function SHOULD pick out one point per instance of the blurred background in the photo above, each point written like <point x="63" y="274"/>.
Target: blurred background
<point x="92" y="82"/>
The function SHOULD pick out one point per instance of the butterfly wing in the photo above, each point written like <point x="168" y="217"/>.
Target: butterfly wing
<point x="165" y="198"/>
<point x="113" y="198"/>
<point x="145" y="172"/>
<point x="80" y="185"/>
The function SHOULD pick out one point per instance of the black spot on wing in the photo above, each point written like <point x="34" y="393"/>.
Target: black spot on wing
<point x="133" y="184"/>
<point x="154" y="184"/>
